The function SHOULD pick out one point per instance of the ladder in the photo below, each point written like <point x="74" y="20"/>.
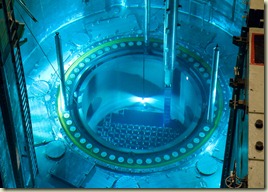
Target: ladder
<point x="11" y="25"/>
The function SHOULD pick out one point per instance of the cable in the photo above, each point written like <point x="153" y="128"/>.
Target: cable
<point x="42" y="50"/>
<point x="37" y="42"/>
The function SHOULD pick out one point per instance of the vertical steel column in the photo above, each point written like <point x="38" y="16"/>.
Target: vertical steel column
<point x="170" y="34"/>
<point x="146" y="41"/>
<point x="213" y="84"/>
<point x="147" y="22"/>
<point x="61" y="68"/>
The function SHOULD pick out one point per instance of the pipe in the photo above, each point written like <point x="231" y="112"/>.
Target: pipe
<point x="22" y="4"/>
<point x="61" y="68"/>
<point x="170" y="36"/>
<point x="213" y="85"/>
<point x="147" y="23"/>
<point x="146" y="40"/>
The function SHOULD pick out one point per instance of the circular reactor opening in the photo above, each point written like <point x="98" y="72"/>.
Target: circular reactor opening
<point x="116" y="109"/>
